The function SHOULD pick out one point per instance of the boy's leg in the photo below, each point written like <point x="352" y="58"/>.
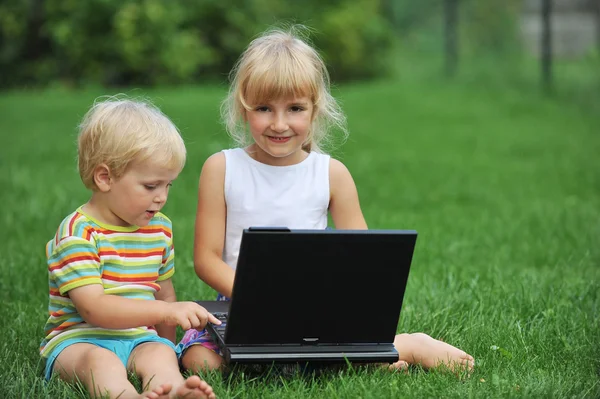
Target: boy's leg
<point x="100" y="370"/>
<point x="199" y="358"/>
<point x="421" y="349"/>
<point x="156" y="364"/>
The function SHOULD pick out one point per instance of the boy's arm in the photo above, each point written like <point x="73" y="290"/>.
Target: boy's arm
<point x="74" y="267"/>
<point x="344" y="205"/>
<point x="210" y="227"/>
<point x="167" y="294"/>
<point x="113" y="311"/>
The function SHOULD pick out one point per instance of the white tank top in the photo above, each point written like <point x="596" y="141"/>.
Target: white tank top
<point x="260" y="195"/>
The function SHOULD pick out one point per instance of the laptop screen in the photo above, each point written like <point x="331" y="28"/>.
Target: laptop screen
<point x="295" y="287"/>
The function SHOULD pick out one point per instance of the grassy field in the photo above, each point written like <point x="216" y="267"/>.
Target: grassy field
<point x="502" y="185"/>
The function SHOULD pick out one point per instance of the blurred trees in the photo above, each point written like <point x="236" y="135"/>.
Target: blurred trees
<point x="154" y="42"/>
<point x="150" y="42"/>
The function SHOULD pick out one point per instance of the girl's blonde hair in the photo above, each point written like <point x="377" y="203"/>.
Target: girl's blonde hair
<point x="280" y="64"/>
<point x="118" y="132"/>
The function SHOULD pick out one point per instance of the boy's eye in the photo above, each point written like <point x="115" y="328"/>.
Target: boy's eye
<point x="149" y="186"/>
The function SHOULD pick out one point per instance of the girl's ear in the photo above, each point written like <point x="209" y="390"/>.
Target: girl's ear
<point x="102" y="178"/>
<point x="315" y="112"/>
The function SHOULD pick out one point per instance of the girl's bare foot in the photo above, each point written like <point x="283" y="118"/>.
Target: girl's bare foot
<point x="421" y="349"/>
<point x="194" y="388"/>
<point x="399" y="365"/>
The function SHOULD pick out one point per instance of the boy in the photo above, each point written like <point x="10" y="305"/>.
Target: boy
<point x="112" y="307"/>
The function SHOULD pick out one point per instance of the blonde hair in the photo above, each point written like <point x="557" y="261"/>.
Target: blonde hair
<point x="118" y="132"/>
<point x="280" y="64"/>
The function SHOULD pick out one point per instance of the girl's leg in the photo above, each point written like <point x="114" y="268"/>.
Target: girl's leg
<point x="156" y="364"/>
<point x="100" y="371"/>
<point x="199" y="358"/>
<point x="421" y="349"/>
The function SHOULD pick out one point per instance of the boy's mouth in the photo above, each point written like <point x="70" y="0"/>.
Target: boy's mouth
<point x="151" y="213"/>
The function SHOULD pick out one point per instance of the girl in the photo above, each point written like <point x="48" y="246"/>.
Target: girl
<point x="279" y="176"/>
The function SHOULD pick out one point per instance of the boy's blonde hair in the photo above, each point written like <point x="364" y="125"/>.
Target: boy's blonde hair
<point x="118" y="132"/>
<point x="280" y="64"/>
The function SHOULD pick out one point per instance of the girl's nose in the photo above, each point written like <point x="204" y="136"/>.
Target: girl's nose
<point x="279" y="124"/>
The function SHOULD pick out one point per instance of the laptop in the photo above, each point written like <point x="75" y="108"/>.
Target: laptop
<point x="318" y="296"/>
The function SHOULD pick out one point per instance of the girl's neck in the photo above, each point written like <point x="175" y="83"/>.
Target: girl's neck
<point x="256" y="153"/>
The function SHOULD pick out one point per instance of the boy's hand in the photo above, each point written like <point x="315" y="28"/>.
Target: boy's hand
<point x="188" y="315"/>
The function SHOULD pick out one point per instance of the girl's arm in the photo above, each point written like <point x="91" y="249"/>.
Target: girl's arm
<point x="343" y="203"/>
<point x="167" y="294"/>
<point x="210" y="227"/>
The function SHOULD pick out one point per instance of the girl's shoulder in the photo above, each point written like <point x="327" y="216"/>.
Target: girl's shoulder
<point x="337" y="167"/>
<point x="339" y="175"/>
<point x="215" y="160"/>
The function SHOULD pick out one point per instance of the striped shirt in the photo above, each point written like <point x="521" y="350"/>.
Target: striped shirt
<point x="127" y="261"/>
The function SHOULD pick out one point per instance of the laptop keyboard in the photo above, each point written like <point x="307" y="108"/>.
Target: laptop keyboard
<point x="222" y="317"/>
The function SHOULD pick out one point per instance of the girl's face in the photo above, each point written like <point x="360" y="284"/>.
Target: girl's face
<point x="279" y="129"/>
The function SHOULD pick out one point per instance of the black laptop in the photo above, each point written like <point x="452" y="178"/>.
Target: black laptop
<point x="326" y="296"/>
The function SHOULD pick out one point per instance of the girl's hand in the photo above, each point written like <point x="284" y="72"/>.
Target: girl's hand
<point x="188" y="315"/>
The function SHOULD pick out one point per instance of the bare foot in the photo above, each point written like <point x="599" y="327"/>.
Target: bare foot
<point x="399" y="365"/>
<point x="421" y="349"/>
<point x="158" y="392"/>
<point x="194" y="388"/>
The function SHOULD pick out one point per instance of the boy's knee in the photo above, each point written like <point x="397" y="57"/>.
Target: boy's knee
<point x="94" y="356"/>
<point x="155" y="350"/>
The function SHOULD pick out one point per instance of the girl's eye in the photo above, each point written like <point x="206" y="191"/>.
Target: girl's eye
<point x="297" y="109"/>
<point x="262" y="109"/>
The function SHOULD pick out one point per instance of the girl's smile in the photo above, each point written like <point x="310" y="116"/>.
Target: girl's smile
<point x="277" y="139"/>
<point x="280" y="128"/>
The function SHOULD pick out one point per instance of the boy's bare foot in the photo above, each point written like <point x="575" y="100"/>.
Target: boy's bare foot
<point x="158" y="392"/>
<point x="193" y="388"/>
<point x="421" y="349"/>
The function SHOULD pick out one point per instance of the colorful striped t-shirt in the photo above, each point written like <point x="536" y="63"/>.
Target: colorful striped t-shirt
<point x="127" y="261"/>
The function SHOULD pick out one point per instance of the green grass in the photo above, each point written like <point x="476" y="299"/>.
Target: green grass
<point x="502" y="185"/>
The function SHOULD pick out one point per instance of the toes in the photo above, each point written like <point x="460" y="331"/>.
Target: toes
<point x="193" y="382"/>
<point x="203" y="386"/>
<point x="166" y="388"/>
<point x="399" y="365"/>
<point x="150" y="395"/>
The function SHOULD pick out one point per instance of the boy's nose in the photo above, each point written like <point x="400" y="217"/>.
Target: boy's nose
<point x="161" y="197"/>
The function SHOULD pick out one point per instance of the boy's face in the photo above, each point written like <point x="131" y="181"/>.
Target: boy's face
<point x="280" y="128"/>
<point x="139" y="194"/>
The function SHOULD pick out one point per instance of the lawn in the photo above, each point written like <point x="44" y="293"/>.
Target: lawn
<point x="502" y="185"/>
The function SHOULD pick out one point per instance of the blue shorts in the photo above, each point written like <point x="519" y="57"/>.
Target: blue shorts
<point x="120" y="347"/>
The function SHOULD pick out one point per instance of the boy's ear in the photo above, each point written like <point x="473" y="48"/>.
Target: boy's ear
<point x="102" y="178"/>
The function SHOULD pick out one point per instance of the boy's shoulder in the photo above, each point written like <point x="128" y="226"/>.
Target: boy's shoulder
<point x="76" y="224"/>
<point x="160" y="223"/>
<point x="160" y="219"/>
